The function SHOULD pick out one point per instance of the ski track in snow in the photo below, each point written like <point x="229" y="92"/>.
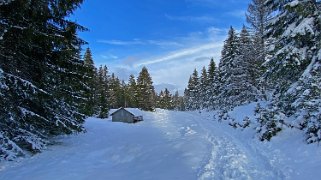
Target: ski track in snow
<point x="166" y="145"/>
<point x="226" y="158"/>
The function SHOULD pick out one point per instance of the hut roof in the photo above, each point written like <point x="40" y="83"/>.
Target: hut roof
<point x="121" y="109"/>
<point x="133" y="111"/>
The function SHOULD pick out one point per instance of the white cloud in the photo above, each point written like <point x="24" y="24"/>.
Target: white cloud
<point x="175" y="66"/>
<point x="109" y="56"/>
<point x="120" y="42"/>
<point x="198" y="19"/>
<point x="160" y="43"/>
<point x="216" y="3"/>
<point x="184" y="53"/>
<point x="237" y="13"/>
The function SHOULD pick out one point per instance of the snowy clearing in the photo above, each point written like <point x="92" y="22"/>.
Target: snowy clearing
<point x="170" y="145"/>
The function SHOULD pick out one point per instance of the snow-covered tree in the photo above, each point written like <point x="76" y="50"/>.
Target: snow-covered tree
<point x="212" y="85"/>
<point x="236" y="72"/>
<point x="293" y="71"/>
<point x="132" y="90"/>
<point x="191" y="94"/>
<point x="230" y="59"/>
<point x="102" y="92"/>
<point x="41" y="90"/>
<point x="203" y="85"/>
<point x="146" y="93"/>
<point x="90" y="76"/>
<point x="257" y="16"/>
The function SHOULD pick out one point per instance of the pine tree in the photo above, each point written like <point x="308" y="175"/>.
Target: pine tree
<point x="227" y="82"/>
<point x="192" y="92"/>
<point x="41" y="74"/>
<point x="203" y="85"/>
<point x="257" y="16"/>
<point x="212" y="88"/>
<point x="132" y="88"/>
<point x="90" y="76"/>
<point x="294" y="68"/>
<point x="167" y="99"/>
<point x="251" y="69"/>
<point x="237" y="82"/>
<point x="176" y="101"/>
<point x="114" y="92"/>
<point x="146" y="93"/>
<point x="102" y="93"/>
<point x="160" y="100"/>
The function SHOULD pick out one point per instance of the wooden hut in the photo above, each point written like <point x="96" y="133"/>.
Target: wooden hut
<point x="124" y="115"/>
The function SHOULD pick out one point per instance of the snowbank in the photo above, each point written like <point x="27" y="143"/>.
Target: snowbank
<point x="171" y="145"/>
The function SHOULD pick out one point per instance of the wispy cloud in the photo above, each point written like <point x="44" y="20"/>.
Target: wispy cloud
<point x="198" y="19"/>
<point x="237" y="14"/>
<point x="139" y="42"/>
<point x="216" y="3"/>
<point x="121" y="43"/>
<point x="175" y="66"/>
<point x="180" y="54"/>
<point x="109" y="56"/>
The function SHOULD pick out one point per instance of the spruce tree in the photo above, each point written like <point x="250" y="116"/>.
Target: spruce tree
<point x="102" y="92"/>
<point x="146" y="93"/>
<point x="167" y="99"/>
<point x="114" y="92"/>
<point x="132" y="88"/>
<point x="293" y="71"/>
<point x="192" y="92"/>
<point x="212" y="88"/>
<point x="176" y="101"/>
<point x="228" y="63"/>
<point x="203" y="85"/>
<point x="41" y="74"/>
<point x="257" y="16"/>
<point x="90" y="76"/>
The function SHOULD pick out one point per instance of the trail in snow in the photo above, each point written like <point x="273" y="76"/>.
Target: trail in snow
<point x="166" y="145"/>
<point x="224" y="157"/>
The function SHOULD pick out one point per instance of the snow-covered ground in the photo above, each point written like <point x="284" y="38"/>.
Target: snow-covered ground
<point x="170" y="145"/>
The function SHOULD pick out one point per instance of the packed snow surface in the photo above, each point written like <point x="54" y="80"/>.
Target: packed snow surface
<point x="170" y="145"/>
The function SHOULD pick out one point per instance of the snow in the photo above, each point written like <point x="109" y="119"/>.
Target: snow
<point x="170" y="145"/>
<point x="293" y="3"/>
<point x="134" y="111"/>
<point x="5" y="2"/>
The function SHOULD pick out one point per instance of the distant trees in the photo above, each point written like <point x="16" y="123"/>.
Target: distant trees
<point x="233" y="83"/>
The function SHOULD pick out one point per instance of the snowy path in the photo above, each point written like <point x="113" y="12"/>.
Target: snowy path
<point x="166" y="145"/>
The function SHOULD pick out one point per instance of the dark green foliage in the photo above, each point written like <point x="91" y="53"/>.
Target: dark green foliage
<point x="270" y="122"/>
<point x="41" y="77"/>
<point x="132" y="92"/>
<point x="90" y="80"/>
<point x="192" y="92"/>
<point x="165" y="100"/>
<point x="102" y="93"/>
<point x="293" y="72"/>
<point x="145" y="91"/>
<point x="236" y="72"/>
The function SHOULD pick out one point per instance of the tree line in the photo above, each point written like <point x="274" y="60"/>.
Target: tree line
<point x="109" y="92"/>
<point x="47" y="89"/>
<point x="276" y="60"/>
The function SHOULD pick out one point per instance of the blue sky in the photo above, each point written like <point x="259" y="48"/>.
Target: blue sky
<point x="169" y="37"/>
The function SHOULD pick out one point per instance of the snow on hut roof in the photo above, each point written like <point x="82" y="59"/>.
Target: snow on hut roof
<point x="133" y="111"/>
